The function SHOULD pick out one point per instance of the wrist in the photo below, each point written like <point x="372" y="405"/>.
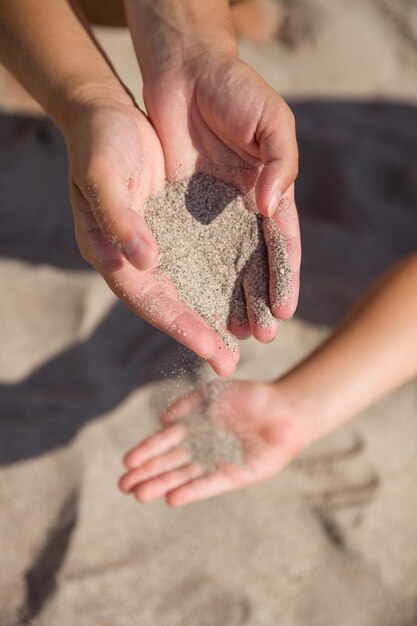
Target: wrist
<point x="169" y="35"/>
<point x="309" y="401"/>
<point x="88" y="96"/>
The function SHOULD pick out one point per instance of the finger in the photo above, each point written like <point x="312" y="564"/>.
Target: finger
<point x="238" y="330"/>
<point x="146" y="298"/>
<point x="161" y="485"/>
<point x="182" y="407"/>
<point x="265" y="334"/>
<point x="154" y="445"/>
<point x="263" y="324"/>
<point x="229" y="340"/>
<point x="177" y="457"/>
<point x="143" y="296"/>
<point x="238" y="323"/>
<point x="282" y="236"/>
<point x="279" y="154"/>
<point x="173" y="317"/>
<point x="112" y="201"/>
<point x="199" y="489"/>
<point x="93" y="245"/>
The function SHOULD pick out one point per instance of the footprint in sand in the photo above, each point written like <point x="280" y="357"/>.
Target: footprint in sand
<point x="300" y="23"/>
<point x="201" y="600"/>
<point x="402" y="15"/>
<point x="343" y="484"/>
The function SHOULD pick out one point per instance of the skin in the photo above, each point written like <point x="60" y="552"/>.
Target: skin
<point x="237" y="128"/>
<point x="224" y="135"/>
<point x="195" y="90"/>
<point x="373" y="352"/>
<point x="257" y="20"/>
<point x="108" y="183"/>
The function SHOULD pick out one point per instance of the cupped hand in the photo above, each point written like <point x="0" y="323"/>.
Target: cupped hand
<point x="214" y="113"/>
<point x="116" y="163"/>
<point x="256" y="414"/>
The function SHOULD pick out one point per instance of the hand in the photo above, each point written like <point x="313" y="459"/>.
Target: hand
<point x="256" y="415"/>
<point x="116" y="163"/>
<point x="214" y="113"/>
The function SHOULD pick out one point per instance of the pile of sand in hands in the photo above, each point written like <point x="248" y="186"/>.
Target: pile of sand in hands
<point x="213" y="250"/>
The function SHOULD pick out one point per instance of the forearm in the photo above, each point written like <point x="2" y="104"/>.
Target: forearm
<point x="373" y="352"/>
<point x="45" y="45"/>
<point x="167" y="32"/>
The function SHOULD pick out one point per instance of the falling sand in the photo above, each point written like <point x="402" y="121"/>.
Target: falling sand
<point x="212" y="248"/>
<point x="209" y="444"/>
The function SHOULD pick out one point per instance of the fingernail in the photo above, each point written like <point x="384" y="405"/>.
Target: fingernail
<point x="274" y="202"/>
<point x="139" y="253"/>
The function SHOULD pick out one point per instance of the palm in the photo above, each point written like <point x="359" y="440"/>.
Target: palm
<point x="196" y="128"/>
<point x="164" y="464"/>
<point x="212" y="125"/>
<point x="116" y="164"/>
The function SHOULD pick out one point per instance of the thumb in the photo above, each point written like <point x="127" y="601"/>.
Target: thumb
<point x="279" y="154"/>
<point x="112" y="202"/>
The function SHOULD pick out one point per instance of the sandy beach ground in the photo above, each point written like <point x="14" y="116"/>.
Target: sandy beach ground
<point x="332" y="541"/>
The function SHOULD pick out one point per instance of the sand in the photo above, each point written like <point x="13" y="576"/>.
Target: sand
<point x="332" y="539"/>
<point x="210" y="445"/>
<point x="212" y="247"/>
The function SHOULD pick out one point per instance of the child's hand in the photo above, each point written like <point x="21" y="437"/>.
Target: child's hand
<point x="116" y="163"/>
<point x="256" y="414"/>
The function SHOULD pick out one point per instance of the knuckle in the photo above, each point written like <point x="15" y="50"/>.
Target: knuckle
<point x="140" y="494"/>
<point x="290" y="117"/>
<point x="95" y="185"/>
<point x="175" y="324"/>
<point x="290" y="173"/>
<point x="97" y="171"/>
<point x="112" y="224"/>
<point x="85" y="254"/>
<point x="293" y="171"/>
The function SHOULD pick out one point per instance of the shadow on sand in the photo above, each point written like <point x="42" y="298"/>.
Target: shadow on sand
<point x="357" y="196"/>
